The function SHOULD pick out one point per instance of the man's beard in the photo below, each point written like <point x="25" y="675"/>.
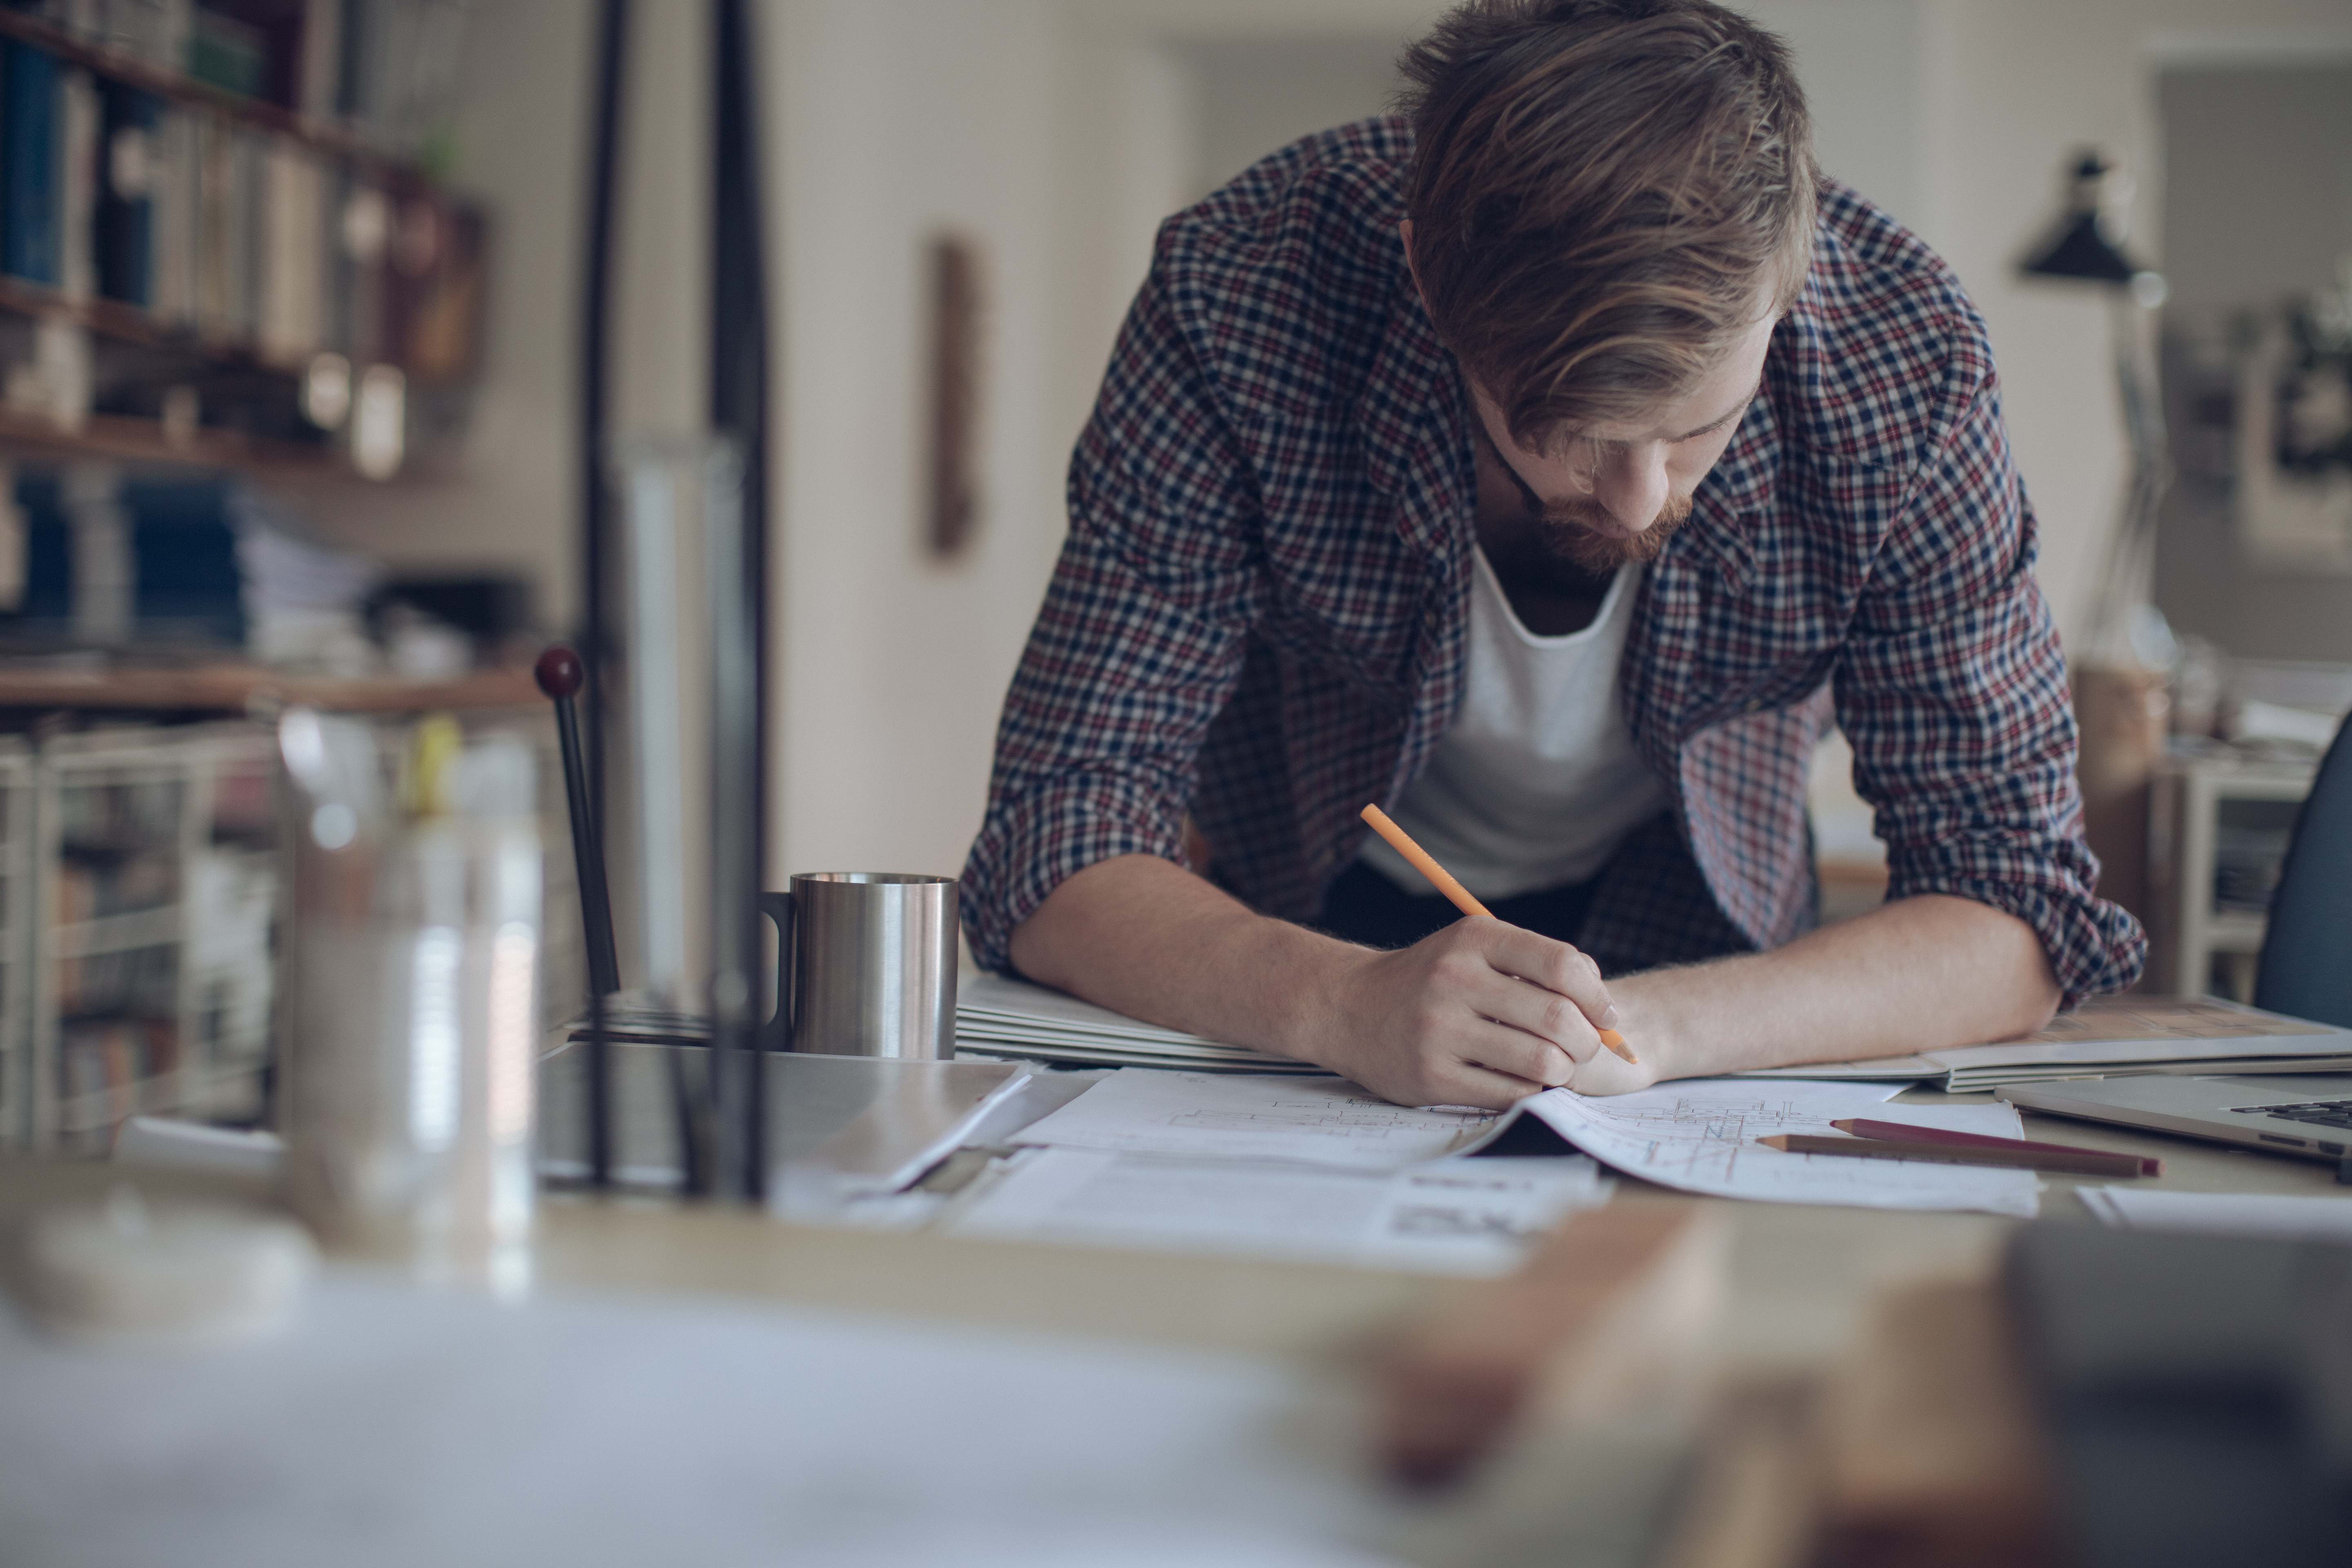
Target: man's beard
<point x="1582" y="534"/>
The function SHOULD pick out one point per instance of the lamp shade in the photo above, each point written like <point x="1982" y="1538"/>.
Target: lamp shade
<point x="2079" y="250"/>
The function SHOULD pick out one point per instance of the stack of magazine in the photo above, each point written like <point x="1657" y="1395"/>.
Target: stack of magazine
<point x="2119" y="1036"/>
<point x="1012" y="1019"/>
<point x="996" y="1018"/>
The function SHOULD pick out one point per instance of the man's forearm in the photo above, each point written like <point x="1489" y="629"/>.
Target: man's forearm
<point x="1481" y="1013"/>
<point x="1917" y="975"/>
<point x="1145" y="937"/>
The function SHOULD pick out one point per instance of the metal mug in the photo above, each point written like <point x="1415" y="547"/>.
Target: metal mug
<point x="866" y="964"/>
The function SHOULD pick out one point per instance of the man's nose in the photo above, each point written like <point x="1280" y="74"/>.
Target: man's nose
<point x="1631" y="485"/>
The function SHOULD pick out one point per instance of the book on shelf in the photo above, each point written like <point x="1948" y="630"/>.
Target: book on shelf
<point x="111" y="1069"/>
<point x="30" y="221"/>
<point x="98" y="889"/>
<point x="130" y="139"/>
<point x="76" y="136"/>
<point x="143" y="981"/>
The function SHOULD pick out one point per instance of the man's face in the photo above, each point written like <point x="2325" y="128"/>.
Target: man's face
<point x="1609" y="493"/>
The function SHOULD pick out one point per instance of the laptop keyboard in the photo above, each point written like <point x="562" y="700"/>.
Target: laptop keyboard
<point x="2336" y="1113"/>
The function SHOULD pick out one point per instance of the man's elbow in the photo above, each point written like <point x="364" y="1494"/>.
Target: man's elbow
<point x="2034" y="985"/>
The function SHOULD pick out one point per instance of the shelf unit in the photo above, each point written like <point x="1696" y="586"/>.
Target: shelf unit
<point x="2189" y="931"/>
<point x="154" y="856"/>
<point x="140" y="902"/>
<point x="143" y="349"/>
<point x="16" y="926"/>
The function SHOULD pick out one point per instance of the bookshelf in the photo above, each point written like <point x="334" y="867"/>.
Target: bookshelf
<point x="153" y="855"/>
<point x="16" y="918"/>
<point x="139" y="889"/>
<point x="194" y="278"/>
<point x="2218" y="827"/>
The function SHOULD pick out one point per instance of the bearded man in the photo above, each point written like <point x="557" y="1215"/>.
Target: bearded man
<point x="1550" y="464"/>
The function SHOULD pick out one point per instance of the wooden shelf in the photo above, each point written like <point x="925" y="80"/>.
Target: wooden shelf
<point x="128" y="438"/>
<point x="114" y="437"/>
<point x="2233" y="933"/>
<point x="124" y="322"/>
<point x="235" y="688"/>
<point x="158" y="927"/>
<point x="120" y="66"/>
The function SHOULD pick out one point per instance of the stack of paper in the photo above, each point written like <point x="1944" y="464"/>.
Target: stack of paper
<point x="632" y="1019"/>
<point x="1308" y="1169"/>
<point x="1452" y="1216"/>
<point x="1001" y="1018"/>
<point x="1303" y="1120"/>
<point x="1697" y="1136"/>
<point x="2115" y="1037"/>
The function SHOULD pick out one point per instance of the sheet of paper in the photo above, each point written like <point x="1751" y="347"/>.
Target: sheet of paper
<point x="1313" y="1120"/>
<point x="2294" y="1218"/>
<point x="1455" y="1217"/>
<point x="916" y="1121"/>
<point x="1700" y="1136"/>
<point x="395" y="1426"/>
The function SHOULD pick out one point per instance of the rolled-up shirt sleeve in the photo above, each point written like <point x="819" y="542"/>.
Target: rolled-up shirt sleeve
<point x="1952" y="688"/>
<point x="1139" y="642"/>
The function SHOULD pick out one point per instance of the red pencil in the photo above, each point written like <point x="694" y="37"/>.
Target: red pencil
<point x="1904" y="1132"/>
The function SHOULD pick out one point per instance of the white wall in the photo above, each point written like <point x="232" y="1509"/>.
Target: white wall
<point x="1251" y="96"/>
<point x="890" y="120"/>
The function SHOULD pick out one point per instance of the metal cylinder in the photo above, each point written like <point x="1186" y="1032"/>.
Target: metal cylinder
<point x="873" y="970"/>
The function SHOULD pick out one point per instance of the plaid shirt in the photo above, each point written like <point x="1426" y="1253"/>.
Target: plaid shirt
<point x="1259" y="614"/>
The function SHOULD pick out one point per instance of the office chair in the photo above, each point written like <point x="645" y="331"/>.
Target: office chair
<point x="2306" y="963"/>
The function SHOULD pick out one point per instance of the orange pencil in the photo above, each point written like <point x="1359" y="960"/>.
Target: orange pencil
<point x="1442" y="880"/>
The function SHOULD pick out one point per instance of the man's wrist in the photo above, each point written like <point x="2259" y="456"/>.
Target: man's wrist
<point x="1307" y="992"/>
<point x="1646" y="1020"/>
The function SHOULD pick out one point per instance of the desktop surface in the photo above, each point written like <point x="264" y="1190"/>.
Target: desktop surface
<point x="1805" y="1283"/>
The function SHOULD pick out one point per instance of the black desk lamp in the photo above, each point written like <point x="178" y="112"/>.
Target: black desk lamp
<point x="2080" y="249"/>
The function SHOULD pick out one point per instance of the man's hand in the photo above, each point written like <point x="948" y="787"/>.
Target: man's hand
<point x="1479" y="1014"/>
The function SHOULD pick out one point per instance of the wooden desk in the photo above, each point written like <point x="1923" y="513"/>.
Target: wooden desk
<point x="1801" y="1276"/>
<point x="1804" y="1282"/>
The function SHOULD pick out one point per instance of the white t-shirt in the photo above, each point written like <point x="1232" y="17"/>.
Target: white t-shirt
<point x="1538" y="780"/>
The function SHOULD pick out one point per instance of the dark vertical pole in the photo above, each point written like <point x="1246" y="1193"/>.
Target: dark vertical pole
<point x="738" y="400"/>
<point x="595" y="514"/>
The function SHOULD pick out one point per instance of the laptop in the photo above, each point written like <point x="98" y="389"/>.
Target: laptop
<point x="2310" y="1114"/>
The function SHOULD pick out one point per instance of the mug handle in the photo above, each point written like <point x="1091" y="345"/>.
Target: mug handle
<point x="776" y="1034"/>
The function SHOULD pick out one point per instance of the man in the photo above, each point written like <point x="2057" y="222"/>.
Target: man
<point x="1545" y="465"/>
